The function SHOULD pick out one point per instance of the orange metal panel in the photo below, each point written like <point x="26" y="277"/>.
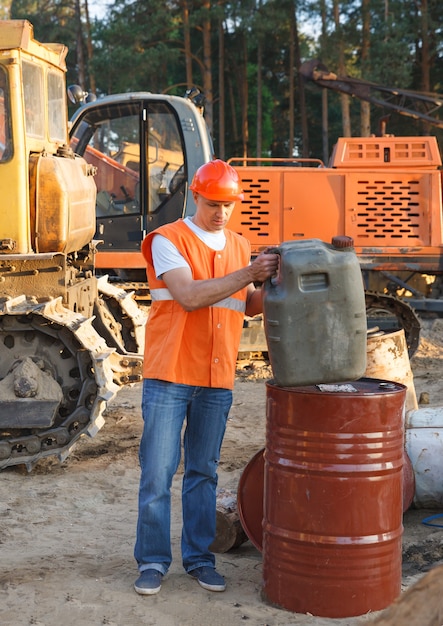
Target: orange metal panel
<point x="123" y="260"/>
<point x="384" y="152"/>
<point x="286" y="203"/>
<point x="312" y="201"/>
<point x="386" y="212"/>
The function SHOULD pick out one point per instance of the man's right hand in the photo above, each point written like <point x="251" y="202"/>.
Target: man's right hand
<point x="265" y="265"/>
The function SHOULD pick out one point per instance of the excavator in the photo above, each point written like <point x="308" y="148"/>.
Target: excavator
<point x="383" y="191"/>
<point x="63" y="356"/>
<point x="414" y="104"/>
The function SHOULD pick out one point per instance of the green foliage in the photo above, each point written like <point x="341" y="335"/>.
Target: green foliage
<point x="267" y="123"/>
<point x="139" y="45"/>
<point x="53" y="22"/>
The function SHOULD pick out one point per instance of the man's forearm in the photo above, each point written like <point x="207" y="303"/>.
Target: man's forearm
<point x="197" y="294"/>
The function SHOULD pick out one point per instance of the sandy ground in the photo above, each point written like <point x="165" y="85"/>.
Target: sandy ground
<point x="67" y="530"/>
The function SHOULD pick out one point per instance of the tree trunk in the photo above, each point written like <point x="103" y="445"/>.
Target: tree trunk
<point x="344" y="99"/>
<point x="89" y="48"/>
<point x="425" y="61"/>
<point x="234" y="127"/>
<point x="187" y="45"/>
<point x="207" y="68"/>
<point x="301" y="92"/>
<point x="365" y="107"/>
<point x="291" y="45"/>
<point x="259" y="97"/>
<point x="324" y="97"/>
<point x="81" y="70"/>
<point x="325" y="125"/>
<point x="229" y="531"/>
<point x="221" y="90"/>
<point x="245" y="96"/>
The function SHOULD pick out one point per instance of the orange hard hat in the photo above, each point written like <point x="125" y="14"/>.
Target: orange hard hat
<point x="217" y="180"/>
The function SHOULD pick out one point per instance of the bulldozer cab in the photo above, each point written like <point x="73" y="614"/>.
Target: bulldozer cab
<point x="140" y="148"/>
<point x="36" y="169"/>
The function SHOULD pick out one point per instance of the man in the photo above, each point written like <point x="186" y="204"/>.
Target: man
<point x="202" y="283"/>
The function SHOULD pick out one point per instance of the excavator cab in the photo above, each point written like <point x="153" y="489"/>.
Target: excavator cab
<point x="145" y="149"/>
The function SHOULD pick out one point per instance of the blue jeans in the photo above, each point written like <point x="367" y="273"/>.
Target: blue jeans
<point x="165" y="406"/>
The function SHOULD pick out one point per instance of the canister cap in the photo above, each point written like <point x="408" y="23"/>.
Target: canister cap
<point x="342" y="241"/>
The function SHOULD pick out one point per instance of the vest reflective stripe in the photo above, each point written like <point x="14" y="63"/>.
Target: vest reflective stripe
<point x="234" y="304"/>
<point x="160" y="294"/>
<point x="231" y="303"/>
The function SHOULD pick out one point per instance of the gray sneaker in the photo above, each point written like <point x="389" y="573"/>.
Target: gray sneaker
<point x="208" y="578"/>
<point x="149" y="582"/>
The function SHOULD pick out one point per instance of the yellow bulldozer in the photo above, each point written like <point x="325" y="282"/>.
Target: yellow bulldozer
<point x="64" y="332"/>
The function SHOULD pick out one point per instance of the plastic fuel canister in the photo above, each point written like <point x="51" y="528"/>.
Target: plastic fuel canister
<point x="315" y="314"/>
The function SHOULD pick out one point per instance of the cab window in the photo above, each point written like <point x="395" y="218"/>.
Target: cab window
<point x="165" y="156"/>
<point x="109" y="137"/>
<point x="5" y="119"/>
<point x="56" y="107"/>
<point x="34" y="100"/>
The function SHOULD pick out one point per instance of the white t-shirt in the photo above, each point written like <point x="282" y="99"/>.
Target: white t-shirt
<point x="165" y="255"/>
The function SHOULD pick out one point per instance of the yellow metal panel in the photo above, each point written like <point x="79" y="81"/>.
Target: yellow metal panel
<point x="14" y="217"/>
<point x="19" y="34"/>
<point x="14" y="204"/>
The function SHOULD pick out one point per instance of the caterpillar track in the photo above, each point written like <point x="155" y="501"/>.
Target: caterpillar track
<point x="381" y="307"/>
<point x="57" y="375"/>
<point x="118" y="318"/>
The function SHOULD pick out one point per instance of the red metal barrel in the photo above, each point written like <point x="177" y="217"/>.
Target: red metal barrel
<point x="333" y="497"/>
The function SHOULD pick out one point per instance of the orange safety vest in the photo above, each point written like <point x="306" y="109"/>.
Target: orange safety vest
<point x="198" y="347"/>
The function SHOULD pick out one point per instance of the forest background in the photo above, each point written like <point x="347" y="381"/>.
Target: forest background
<point x="245" y="57"/>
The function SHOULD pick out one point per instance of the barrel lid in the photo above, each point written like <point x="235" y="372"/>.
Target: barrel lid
<point x="250" y="499"/>
<point x="362" y="386"/>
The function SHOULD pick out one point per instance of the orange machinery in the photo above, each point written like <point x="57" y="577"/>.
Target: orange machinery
<point x="384" y="192"/>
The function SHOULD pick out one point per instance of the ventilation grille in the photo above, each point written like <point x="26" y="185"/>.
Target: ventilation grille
<point x="375" y="208"/>
<point x="411" y="152"/>
<point x="397" y="151"/>
<point x="388" y="211"/>
<point x="253" y="215"/>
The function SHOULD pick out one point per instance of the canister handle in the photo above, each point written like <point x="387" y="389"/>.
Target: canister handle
<point x="273" y="281"/>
